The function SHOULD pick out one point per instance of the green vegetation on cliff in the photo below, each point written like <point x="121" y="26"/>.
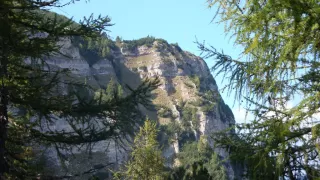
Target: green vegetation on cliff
<point x="146" y="41"/>
<point x="94" y="49"/>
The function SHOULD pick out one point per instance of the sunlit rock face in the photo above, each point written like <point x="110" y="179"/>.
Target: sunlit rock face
<point x="186" y="83"/>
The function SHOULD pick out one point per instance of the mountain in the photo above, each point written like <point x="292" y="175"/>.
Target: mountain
<point x="187" y="104"/>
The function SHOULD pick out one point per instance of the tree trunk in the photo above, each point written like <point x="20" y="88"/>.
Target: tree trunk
<point x="3" y="113"/>
<point x="4" y="51"/>
<point x="3" y="130"/>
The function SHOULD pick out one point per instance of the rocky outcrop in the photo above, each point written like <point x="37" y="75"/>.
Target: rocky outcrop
<point x="188" y="95"/>
<point x="186" y="83"/>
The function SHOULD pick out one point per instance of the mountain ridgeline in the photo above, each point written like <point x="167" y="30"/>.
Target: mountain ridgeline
<point x="187" y="104"/>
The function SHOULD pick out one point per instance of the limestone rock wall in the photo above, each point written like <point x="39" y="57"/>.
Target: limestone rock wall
<point x="186" y="82"/>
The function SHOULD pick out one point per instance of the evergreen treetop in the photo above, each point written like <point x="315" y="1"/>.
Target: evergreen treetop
<point x="146" y="161"/>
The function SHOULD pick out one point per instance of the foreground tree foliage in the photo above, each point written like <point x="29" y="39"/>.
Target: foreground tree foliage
<point x="31" y="97"/>
<point x="146" y="162"/>
<point x="278" y="77"/>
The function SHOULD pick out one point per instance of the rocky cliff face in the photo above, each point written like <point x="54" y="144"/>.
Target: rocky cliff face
<point x="187" y="104"/>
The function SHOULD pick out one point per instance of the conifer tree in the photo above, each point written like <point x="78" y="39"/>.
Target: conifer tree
<point x="279" y="65"/>
<point x="111" y="89"/>
<point x="31" y="96"/>
<point x="198" y="161"/>
<point x="118" y="39"/>
<point x="146" y="162"/>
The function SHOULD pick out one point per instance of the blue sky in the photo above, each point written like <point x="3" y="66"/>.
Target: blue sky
<point x="178" y="21"/>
